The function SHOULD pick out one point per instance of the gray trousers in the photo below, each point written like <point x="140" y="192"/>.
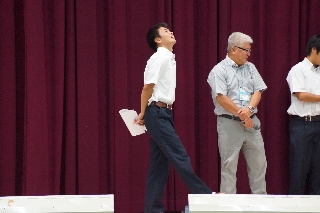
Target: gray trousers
<point x="233" y="137"/>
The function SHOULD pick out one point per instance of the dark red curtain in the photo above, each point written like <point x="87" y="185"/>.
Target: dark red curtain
<point x="67" y="67"/>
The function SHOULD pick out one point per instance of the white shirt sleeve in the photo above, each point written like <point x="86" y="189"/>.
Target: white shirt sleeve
<point x="155" y="68"/>
<point x="296" y="80"/>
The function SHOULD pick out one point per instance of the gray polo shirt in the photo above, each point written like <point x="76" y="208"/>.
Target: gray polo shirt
<point x="227" y="78"/>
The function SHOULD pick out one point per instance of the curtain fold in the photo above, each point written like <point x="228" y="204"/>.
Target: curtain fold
<point x="67" y="67"/>
<point x="8" y="89"/>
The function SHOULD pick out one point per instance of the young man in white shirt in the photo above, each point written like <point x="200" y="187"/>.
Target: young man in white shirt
<point x="157" y="97"/>
<point x="304" y="83"/>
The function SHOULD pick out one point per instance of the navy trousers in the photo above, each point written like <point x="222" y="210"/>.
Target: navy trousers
<point x="304" y="156"/>
<point x="166" y="148"/>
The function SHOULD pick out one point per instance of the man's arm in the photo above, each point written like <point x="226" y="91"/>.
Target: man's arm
<point x="254" y="101"/>
<point x="145" y="96"/>
<point x="243" y="113"/>
<point x="307" y="97"/>
<point x="227" y="103"/>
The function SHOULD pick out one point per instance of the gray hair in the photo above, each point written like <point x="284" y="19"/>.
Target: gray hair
<point x="237" y="39"/>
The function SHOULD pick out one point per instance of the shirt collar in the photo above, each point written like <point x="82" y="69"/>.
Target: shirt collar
<point x="166" y="51"/>
<point x="232" y="63"/>
<point x="309" y="64"/>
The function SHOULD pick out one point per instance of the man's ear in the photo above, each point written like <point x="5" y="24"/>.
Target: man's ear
<point x="233" y="51"/>
<point x="157" y="40"/>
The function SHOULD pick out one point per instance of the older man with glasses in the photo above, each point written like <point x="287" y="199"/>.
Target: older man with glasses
<point x="236" y="88"/>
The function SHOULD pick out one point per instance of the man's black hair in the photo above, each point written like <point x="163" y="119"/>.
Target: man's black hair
<point x="314" y="42"/>
<point x="154" y="33"/>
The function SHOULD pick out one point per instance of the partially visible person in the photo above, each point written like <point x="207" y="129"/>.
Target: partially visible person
<point x="304" y="84"/>
<point x="236" y="88"/>
<point x="157" y="97"/>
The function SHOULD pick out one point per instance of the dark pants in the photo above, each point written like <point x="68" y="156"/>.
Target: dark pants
<point x="304" y="156"/>
<point x="166" y="148"/>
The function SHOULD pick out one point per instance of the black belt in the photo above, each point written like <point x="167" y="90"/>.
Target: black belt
<point x="307" y="118"/>
<point x="232" y="117"/>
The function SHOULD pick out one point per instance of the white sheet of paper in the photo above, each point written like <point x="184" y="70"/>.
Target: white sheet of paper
<point x="128" y="117"/>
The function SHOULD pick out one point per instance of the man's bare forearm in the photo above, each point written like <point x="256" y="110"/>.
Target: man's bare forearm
<point x="145" y="96"/>
<point x="227" y="103"/>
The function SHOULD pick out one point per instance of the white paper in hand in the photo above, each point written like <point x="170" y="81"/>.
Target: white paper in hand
<point x="128" y="117"/>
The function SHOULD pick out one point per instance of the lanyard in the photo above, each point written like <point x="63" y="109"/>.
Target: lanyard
<point x="242" y="94"/>
<point x="235" y="74"/>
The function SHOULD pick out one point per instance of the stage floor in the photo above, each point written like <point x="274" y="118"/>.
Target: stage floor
<point x="57" y="203"/>
<point x="222" y="203"/>
<point x="215" y="203"/>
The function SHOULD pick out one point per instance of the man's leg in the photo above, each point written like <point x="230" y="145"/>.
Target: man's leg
<point x="230" y="133"/>
<point x="315" y="162"/>
<point x="300" y="155"/>
<point x="168" y="141"/>
<point x="254" y="153"/>
<point x="181" y="162"/>
<point x="157" y="177"/>
<point x="159" y="166"/>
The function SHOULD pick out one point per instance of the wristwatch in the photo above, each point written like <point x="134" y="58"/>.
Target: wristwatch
<point x="251" y="109"/>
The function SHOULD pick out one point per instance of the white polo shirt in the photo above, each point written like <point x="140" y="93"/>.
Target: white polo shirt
<point x="161" y="71"/>
<point x="304" y="77"/>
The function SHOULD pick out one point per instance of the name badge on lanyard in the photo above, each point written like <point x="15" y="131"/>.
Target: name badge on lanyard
<point x="244" y="96"/>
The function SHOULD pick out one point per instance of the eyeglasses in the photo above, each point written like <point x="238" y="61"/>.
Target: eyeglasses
<point x="247" y="50"/>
